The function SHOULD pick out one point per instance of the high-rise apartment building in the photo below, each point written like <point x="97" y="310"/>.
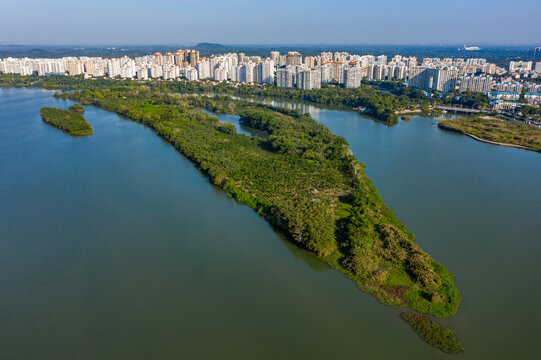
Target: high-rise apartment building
<point x="379" y="71"/>
<point x="286" y="77"/>
<point x="191" y="74"/>
<point x="275" y="57"/>
<point x="400" y="72"/>
<point x="352" y="77"/>
<point x="310" y="61"/>
<point x="326" y="73"/>
<point x="203" y="69"/>
<point x="180" y="57"/>
<point x="482" y="84"/>
<point x="382" y="59"/>
<point x="433" y="79"/>
<point x="266" y="72"/>
<point x="192" y="57"/>
<point x="515" y="66"/>
<point x="293" y="58"/>
<point x="281" y="77"/>
<point x="506" y="86"/>
<point x="309" y="79"/>
<point x="169" y="58"/>
<point x="247" y="72"/>
<point x="75" y="68"/>
<point x="158" y="58"/>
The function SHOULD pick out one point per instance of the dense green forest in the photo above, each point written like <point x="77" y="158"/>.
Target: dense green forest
<point x="77" y="108"/>
<point x="496" y="130"/>
<point x="379" y="104"/>
<point x="70" y="121"/>
<point x="301" y="178"/>
<point x="380" y="99"/>
<point x="62" y="82"/>
<point x="469" y="99"/>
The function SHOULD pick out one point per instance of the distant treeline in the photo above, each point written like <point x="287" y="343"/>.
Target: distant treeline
<point x="500" y="55"/>
<point x="381" y="99"/>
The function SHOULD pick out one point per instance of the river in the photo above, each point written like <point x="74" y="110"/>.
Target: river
<point x="114" y="246"/>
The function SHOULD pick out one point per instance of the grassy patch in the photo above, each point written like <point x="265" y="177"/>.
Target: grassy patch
<point x="70" y="121"/>
<point x="496" y="130"/>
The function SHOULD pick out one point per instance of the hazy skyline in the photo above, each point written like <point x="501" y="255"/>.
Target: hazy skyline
<point x="131" y="22"/>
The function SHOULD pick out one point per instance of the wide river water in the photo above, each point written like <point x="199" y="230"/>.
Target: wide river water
<point x="114" y="246"/>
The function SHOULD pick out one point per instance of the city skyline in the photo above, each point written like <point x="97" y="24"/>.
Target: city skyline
<point x="259" y="22"/>
<point x="293" y="70"/>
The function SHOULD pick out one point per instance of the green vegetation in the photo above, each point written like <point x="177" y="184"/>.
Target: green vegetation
<point x="301" y="178"/>
<point x="77" y="108"/>
<point x="528" y="111"/>
<point x="505" y="132"/>
<point x="62" y="82"/>
<point x="433" y="333"/>
<point x="381" y="99"/>
<point x="304" y="180"/>
<point x="70" y="121"/>
<point x="379" y="104"/>
<point x="467" y="99"/>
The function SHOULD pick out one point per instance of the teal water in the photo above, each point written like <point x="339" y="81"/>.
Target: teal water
<point x="114" y="247"/>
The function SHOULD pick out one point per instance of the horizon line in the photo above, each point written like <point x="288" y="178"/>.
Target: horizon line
<point x="273" y="44"/>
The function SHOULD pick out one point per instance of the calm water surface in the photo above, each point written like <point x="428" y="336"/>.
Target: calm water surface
<point x="114" y="247"/>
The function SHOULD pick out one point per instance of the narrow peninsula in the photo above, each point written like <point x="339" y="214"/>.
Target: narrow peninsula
<point x="70" y="121"/>
<point x="496" y="131"/>
<point x="301" y="178"/>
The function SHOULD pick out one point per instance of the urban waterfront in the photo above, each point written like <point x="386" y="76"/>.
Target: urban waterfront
<point x="153" y="261"/>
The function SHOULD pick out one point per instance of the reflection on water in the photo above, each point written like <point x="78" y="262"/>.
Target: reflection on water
<point x="241" y="129"/>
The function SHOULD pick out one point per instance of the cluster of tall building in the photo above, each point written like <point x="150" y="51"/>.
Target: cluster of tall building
<point x="508" y="85"/>
<point x="482" y="84"/>
<point x="510" y="90"/>
<point x="524" y="69"/>
<point x="299" y="76"/>
<point x="155" y="66"/>
<point x="338" y="68"/>
<point x="292" y="70"/>
<point x="465" y="66"/>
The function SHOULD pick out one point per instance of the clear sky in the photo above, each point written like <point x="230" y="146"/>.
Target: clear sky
<point x="131" y="22"/>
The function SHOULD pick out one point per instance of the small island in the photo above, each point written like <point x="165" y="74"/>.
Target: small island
<point x="432" y="333"/>
<point x="77" y="108"/>
<point x="70" y="121"/>
<point x="496" y="131"/>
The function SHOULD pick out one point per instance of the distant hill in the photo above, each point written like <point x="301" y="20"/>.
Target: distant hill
<point x="209" y="46"/>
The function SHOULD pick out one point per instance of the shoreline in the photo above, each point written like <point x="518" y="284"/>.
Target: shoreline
<point x="443" y="127"/>
<point x="501" y="144"/>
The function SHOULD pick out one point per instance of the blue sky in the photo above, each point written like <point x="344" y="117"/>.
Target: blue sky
<point x="270" y="22"/>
